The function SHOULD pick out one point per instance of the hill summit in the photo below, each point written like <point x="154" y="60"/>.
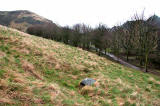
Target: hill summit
<point x="21" y="19"/>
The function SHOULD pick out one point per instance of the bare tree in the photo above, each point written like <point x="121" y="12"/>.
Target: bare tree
<point x="147" y="38"/>
<point x="127" y="37"/>
<point x="98" y="36"/>
<point x="86" y="36"/>
<point x="106" y="39"/>
<point x="116" y="44"/>
<point x="76" y="35"/>
<point x="66" y="32"/>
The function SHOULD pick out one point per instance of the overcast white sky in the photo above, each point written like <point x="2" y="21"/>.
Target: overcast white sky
<point x="92" y="12"/>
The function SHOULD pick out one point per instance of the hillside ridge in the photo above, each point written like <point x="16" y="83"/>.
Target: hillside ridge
<point x="38" y="71"/>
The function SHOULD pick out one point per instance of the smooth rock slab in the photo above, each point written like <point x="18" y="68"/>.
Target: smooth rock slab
<point x="87" y="81"/>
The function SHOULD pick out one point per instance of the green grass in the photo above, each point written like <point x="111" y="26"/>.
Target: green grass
<point x="2" y="72"/>
<point x="46" y="97"/>
<point x="68" y="102"/>
<point x="61" y="68"/>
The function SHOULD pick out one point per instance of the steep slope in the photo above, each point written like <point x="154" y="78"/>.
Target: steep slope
<point x="21" y="19"/>
<point x="37" y="71"/>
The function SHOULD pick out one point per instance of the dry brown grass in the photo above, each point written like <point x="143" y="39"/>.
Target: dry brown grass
<point x="80" y="67"/>
<point x="18" y="80"/>
<point x="39" y="101"/>
<point x="6" y="101"/>
<point x="87" y="90"/>
<point x="30" y="68"/>
<point x="23" y="50"/>
<point x="2" y="54"/>
<point x="27" y="66"/>
<point x="3" y="84"/>
<point x="120" y="101"/>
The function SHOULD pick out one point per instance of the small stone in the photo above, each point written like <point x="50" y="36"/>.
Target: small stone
<point x="87" y="81"/>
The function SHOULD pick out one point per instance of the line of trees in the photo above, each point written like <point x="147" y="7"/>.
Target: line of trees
<point x="138" y="37"/>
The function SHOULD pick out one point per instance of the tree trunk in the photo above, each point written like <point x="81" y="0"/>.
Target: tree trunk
<point x="99" y="53"/>
<point x="127" y="55"/>
<point x="146" y="62"/>
<point x="96" y="50"/>
<point x="141" y="61"/>
<point x="105" y="51"/>
<point x="88" y="47"/>
<point x="83" y="46"/>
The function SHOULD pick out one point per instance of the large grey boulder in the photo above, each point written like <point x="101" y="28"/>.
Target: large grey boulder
<point x="87" y="81"/>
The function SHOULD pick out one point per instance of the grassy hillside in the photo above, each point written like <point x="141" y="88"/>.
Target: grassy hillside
<point x="37" y="71"/>
<point x="21" y="19"/>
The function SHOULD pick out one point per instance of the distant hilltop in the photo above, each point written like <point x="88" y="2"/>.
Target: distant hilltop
<point x="22" y="19"/>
